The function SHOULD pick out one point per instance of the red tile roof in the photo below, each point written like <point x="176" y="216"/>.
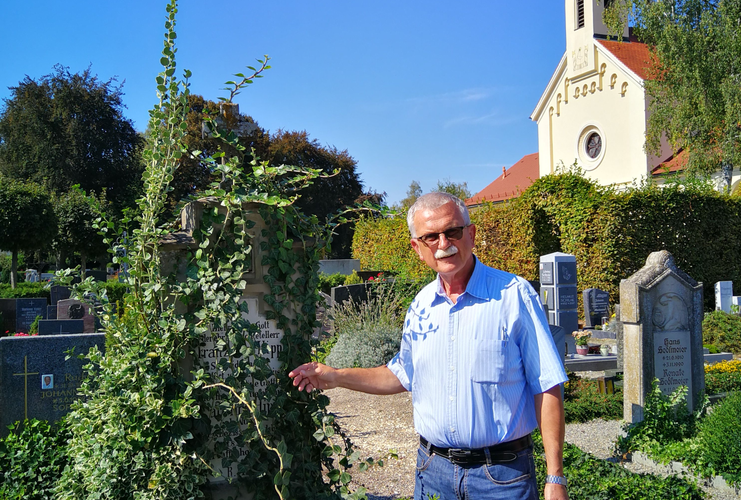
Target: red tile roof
<point x="511" y="183"/>
<point x="674" y="163"/>
<point x="634" y="55"/>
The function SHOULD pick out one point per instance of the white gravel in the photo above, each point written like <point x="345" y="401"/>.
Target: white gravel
<point x="378" y="425"/>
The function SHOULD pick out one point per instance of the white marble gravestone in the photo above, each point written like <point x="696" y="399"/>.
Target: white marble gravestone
<point x="723" y="295"/>
<point x="662" y="313"/>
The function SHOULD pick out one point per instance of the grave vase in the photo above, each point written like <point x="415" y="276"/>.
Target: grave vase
<point x="582" y="349"/>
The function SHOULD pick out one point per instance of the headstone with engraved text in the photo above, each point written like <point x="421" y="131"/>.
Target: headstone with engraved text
<point x="36" y="379"/>
<point x="723" y="295"/>
<point x="596" y="306"/>
<point x="662" y="312"/>
<point x="26" y="311"/>
<point x="558" y="293"/>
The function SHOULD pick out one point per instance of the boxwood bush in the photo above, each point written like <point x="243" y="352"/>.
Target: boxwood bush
<point x="723" y="330"/>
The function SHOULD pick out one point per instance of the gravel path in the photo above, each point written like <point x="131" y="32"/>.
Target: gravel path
<point x="378" y="425"/>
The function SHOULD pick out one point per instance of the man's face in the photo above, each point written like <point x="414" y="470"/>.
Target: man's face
<point x="437" y="221"/>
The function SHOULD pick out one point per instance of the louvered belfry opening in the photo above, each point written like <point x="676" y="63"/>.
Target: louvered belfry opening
<point x="579" y="14"/>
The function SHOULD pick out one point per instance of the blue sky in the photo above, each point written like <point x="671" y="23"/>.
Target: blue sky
<point x="414" y="90"/>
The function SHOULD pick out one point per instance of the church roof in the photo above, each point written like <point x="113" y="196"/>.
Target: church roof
<point x="510" y="184"/>
<point x="675" y="163"/>
<point x="634" y="55"/>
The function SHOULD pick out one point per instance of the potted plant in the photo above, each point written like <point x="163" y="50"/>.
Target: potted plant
<point x="582" y="341"/>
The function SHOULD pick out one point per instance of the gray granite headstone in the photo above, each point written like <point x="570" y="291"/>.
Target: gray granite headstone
<point x="596" y="306"/>
<point x="59" y="292"/>
<point x="558" y="293"/>
<point x="662" y="312"/>
<point x="26" y="311"/>
<point x="61" y="326"/>
<point x="723" y="295"/>
<point x="35" y="379"/>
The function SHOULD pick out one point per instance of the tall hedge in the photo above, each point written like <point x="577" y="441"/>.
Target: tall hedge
<point x="611" y="233"/>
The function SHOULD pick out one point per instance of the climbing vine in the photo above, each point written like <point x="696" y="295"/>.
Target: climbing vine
<point x="158" y="419"/>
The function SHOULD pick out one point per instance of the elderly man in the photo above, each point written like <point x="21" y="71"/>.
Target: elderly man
<point x="478" y="356"/>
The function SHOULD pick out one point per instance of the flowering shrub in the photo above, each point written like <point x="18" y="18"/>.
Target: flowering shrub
<point x="21" y="334"/>
<point x="582" y="337"/>
<point x="723" y="377"/>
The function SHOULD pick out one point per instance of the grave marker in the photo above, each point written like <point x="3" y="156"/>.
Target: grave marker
<point x="558" y="293"/>
<point x="26" y="311"/>
<point x="596" y="306"/>
<point x="75" y="309"/>
<point x="61" y="326"/>
<point x="723" y="295"/>
<point x="661" y="309"/>
<point x="59" y="292"/>
<point x="7" y="309"/>
<point x="35" y="379"/>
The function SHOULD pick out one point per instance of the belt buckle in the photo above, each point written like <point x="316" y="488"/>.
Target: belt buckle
<point x="459" y="455"/>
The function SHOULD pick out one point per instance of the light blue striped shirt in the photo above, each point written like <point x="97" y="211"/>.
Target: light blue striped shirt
<point x="474" y="366"/>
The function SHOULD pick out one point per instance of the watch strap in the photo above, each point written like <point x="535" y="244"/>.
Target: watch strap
<point x="555" y="479"/>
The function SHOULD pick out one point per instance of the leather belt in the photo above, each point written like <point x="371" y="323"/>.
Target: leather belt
<point x="502" y="452"/>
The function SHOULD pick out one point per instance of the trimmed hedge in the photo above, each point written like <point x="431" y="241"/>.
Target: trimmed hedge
<point x="611" y="233"/>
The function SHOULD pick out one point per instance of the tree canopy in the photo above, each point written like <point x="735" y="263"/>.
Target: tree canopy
<point x="27" y="219"/>
<point x="76" y="213"/>
<point x="695" y="83"/>
<point x="66" y="129"/>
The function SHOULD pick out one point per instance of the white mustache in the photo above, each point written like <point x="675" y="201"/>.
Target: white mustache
<point x="441" y="254"/>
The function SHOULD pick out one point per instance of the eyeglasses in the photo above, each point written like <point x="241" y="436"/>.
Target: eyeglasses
<point x="454" y="233"/>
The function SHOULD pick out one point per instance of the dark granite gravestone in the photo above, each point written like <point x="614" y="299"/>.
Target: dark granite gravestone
<point x="356" y="293"/>
<point x="97" y="275"/>
<point x="26" y="311"/>
<point x="75" y="309"/>
<point x="51" y="312"/>
<point x="58" y="293"/>
<point x="596" y="306"/>
<point x="35" y="379"/>
<point x="61" y="326"/>
<point x="7" y="309"/>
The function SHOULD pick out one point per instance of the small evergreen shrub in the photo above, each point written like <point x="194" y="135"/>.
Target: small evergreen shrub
<point x="329" y="281"/>
<point x="24" y="290"/>
<point x="593" y="479"/>
<point x="723" y="330"/>
<point x="352" y="279"/>
<point x="666" y="419"/>
<point x="32" y="458"/>
<point x="368" y="333"/>
<point x="583" y="401"/>
<point x="719" y="439"/>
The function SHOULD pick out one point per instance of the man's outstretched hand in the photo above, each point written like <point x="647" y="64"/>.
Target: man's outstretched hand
<point x="310" y="376"/>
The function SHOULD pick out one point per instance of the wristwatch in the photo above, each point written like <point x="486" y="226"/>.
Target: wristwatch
<point x="555" y="480"/>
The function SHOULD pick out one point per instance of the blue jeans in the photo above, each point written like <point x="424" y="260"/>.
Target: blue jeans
<point x="513" y="479"/>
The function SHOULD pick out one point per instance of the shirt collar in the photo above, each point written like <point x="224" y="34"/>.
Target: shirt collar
<point x="476" y="285"/>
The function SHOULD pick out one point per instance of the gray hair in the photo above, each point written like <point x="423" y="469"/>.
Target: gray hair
<point x="431" y="201"/>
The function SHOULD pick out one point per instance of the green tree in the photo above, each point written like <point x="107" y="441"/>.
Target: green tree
<point x="414" y="192"/>
<point x="459" y="189"/>
<point x="67" y="129"/>
<point x="695" y="82"/>
<point x="76" y="213"/>
<point x="27" y="220"/>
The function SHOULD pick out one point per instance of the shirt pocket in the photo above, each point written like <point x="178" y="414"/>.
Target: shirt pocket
<point x="490" y="361"/>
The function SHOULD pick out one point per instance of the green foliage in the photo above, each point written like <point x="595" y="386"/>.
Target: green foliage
<point x="76" y="214"/>
<point x="6" y="263"/>
<point x="414" y="192"/>
<point x="353" y="279"/>
<point x="583" y="401"/>
<point x="610" y="233"/>
<point x="666" y="419"/>
<point x="384" y="244"/>
<point x="115" y="291"/>
<point x="459" y="189"/>
<point x="66" y="129"/>
<point x="593" y="479"/>
<point x="24" y="290"/>
<point x="722" y="330"/>
<point x="144" y="401"/>
<point x="719" y="439"/>
<point x="27" y="220"/>
<point x="719" y="383"/>
<point x="329" y="281"/>
<point x="693" y="90"/>
<point x="33" y="328"/>
<point x="32" y="458"/>
<point x="368" y="333"/>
